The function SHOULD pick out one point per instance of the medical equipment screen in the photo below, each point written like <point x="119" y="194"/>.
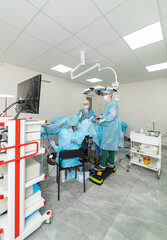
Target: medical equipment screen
<point x="29" y="91"/>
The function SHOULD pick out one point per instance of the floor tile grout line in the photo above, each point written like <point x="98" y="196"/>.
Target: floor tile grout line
<point x="93" y="211"/>
<point x="123" y="203"/>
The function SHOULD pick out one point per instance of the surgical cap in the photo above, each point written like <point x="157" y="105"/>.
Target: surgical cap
<point x="72" y="120"/>
<point x="86" y="101"/>
<point x="109" y="91"/>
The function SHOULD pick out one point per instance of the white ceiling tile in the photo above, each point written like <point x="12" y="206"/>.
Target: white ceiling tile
<point x="37" y="3"/>
<point x="31" y="44"/>
<point x="159" y="74"/>
<point x="124" y="77"/>
<point x="145" y="77"/>
<point x="13" y="60"/>
<point x="16" y="12"/>
<point x="154" y="60"/>
<point x="89" y="52"/>
<point x="150" y="50"/>
<point x="3" y="47"/>
<point x="78" y="13"/>
<point x="52" y="40"/>
<point x="124" y="58"/>
<point x="134" y="15"/>
<point x="96" y="74"/>
<point x="72" y="62"/>
<point x="59" y="74"/>
<point x="99" y="59"/>
<point x="8" y="33"/>
<point x="134" y="68"/>
<point x="107" y="5"/>
<point x="163" y="8"/>
<point x="20" y="54"/>
<point x="69" y="44"/>
<point x="165" y="27"/>
<point x="35" y="67"/>
<point x="98" y="33"/>
<point x="43" y="62"/>
<point x="56" y="56"/>
<point x="114" y="48"/>
<point x="46" y="30"/>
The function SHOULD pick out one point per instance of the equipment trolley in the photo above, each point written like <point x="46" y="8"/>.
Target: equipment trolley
<point x="146" y="151"/>
<point x="20" y="143"/>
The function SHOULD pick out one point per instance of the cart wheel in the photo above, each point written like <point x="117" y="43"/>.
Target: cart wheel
<point x="50" y="220"/>
<point x="127" y="170"/>
<point x="158" y="176"/>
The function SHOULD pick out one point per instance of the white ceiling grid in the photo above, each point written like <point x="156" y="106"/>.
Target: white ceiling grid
<point x="39" y="34"/>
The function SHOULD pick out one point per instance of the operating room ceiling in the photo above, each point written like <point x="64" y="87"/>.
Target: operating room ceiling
<point x="39" y="34"/>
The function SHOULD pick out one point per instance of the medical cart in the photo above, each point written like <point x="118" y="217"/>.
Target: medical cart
<point x="21" y="141"/>
<point x="146" y="151"/>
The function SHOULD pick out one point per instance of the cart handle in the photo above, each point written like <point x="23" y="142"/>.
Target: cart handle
<point x="2" y="162"/>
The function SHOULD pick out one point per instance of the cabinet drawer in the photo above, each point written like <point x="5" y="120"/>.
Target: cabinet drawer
<point x="142" y="138"/>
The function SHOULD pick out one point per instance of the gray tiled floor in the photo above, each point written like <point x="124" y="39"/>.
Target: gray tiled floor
<point x="128" y="206"/>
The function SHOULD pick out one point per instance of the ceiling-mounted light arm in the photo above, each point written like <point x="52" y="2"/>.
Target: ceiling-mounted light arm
<point x="111" y="70"/>
<point x="80" y="64"/>
<point x="73" y="70"/>
<point x="115" y="84"/>
<point x="97" y="65"/>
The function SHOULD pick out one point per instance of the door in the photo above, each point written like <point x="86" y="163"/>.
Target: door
<point x="90" y="100"/>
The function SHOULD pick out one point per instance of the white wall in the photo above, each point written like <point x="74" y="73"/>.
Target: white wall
<point x="140" y="102"/>
<point x="144" y="102"/>
<point x="58" y="98"/>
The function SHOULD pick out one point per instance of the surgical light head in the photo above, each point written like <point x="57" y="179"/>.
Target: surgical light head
<point x="115" y="85"/>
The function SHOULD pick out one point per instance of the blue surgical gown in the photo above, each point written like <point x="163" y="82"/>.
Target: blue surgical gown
<point x="111" y="135"/>
<point x="86" y="114"/>
<point x="69" y="140"/>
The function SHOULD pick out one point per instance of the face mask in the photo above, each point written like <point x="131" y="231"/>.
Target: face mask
<point x="86" y="107"/>
<point x="105" y="98"/>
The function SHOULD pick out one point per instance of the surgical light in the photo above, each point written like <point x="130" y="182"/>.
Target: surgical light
<point x="157" y="67"/>
<point x="144" y="36"/>
<point x="61" y="68"/>
<point x="93" y="80"/>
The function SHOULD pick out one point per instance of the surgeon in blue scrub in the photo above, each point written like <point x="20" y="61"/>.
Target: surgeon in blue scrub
<point x="86" y="112"/>
<point x="111" y="134"/>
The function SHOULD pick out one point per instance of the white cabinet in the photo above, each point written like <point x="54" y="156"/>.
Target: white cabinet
<point x="143" y="146"/>
<point x="20" y="141"/>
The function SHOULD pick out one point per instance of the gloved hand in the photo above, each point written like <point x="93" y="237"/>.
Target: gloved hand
<point x="97" y="117"/>
<point x="101" y="120"/>
<point x="80" y="115"/>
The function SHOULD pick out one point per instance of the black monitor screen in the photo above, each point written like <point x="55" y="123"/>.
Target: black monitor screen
<point x="29" y="91"/>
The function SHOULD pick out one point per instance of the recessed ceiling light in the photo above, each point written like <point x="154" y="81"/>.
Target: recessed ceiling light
<point x="94" y="80"/>
<point x="144" y="36"/>
<point x="61" y="68"/>
<point x="157" y="67"/>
